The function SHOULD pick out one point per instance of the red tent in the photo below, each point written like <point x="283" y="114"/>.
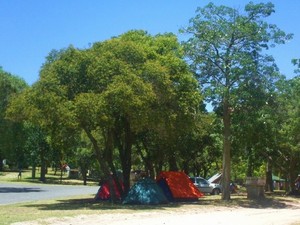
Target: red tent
<point x="104" y="191"/>
<point x="178" y="186"/>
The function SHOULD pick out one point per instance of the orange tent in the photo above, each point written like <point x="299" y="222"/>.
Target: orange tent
<point x="178" y="186"/>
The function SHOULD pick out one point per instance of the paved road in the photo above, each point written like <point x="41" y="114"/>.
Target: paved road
<point x="11" y="193"/>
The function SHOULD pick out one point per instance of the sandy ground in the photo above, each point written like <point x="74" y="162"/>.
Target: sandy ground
<point x="289" y="214"/>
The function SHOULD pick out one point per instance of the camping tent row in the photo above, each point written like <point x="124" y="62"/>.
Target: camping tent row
<point x="169" y="186"/>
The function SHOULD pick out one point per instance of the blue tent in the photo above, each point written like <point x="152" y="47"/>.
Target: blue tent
<point x="145" y="192"/>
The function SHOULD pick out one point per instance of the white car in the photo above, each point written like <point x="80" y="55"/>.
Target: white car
<point x="205" y="186"/>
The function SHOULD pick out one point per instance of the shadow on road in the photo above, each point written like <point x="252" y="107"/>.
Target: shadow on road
<point x="18" y="190"/>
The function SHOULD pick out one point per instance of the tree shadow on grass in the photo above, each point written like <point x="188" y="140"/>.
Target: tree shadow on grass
<point x="273" y="202"/>
<point x="237" y="202"/>
<point x="263" y="203"/>
<point x="91" y="204"/>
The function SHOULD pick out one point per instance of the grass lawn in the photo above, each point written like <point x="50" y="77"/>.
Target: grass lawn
<point x="43" y="209"/>
<point x="79" y="205"/>
<point x="51" y="177"/>
<point x="85" y="205"/>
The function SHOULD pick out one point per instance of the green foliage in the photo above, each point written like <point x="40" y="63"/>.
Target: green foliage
<point x="226" y="49"/>
<point x="288" y="156"/>
<point x="226" y="45"/>
<point x="116" y="92"/>
<point x="12" y="134"/>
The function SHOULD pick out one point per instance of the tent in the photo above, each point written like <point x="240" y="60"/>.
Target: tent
<point x="177" y="186"/>
<point x="278" y="183"/>
<point x="278" y="179"/>
<point x="147" y="192"/>
<point x="104" y="191"/>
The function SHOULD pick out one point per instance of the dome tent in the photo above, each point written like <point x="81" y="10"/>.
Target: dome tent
<point x="104" y="191"/>
<point x="145" y="192"/>
<point x="178" y="187"/>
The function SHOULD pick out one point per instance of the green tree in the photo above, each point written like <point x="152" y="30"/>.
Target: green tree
<point x="12" y="134"/>
<point x="224" y="48"/>
<point x="150" y="90"/>
<point x="289" y="139"/>
<point x="256" y="121"/>
<point x="35" y="138"/>
<point x="114" y="91"/>
<point x="50" y="115"/>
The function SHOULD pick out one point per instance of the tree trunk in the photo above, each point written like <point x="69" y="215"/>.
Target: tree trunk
<point x="43" y="163"/>
<point x="125" y="155"/>
<point x="33" y="171"/>
<point x="61" y="173"/>
<point x="83" y="172"/>
<point x="250" y="159"/>
<point x="269" y="181"/>
<point x="103" y="164"/>
<point x="147" y="159"/>
<point x="1" y="163"/>
<point x="172" y="162"/>
<point x="109" y="147"/>
<point x="292" y="172"/>
<point x="226" y="150"/>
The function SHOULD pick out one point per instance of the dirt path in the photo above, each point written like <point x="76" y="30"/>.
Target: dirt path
<point x="224" y="217"/>
<point x="287" y="215"/>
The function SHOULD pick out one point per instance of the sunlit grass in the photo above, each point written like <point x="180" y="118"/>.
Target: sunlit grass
<point x="78" y="205"/>
<point x="41" y="210"/>
<point x="51" y="177"/>
<point x="86" y="205"/>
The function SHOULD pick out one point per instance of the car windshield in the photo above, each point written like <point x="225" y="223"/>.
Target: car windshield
<point x="201" y="181"/>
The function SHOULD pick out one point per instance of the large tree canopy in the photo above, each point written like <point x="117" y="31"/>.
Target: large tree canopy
<point x="117" y="89"/>
<point x="226" y="50"/>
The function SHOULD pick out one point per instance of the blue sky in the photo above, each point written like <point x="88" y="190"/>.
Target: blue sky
<point x="31" y="29"/>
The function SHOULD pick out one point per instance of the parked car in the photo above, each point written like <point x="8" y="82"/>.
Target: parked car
<point x="205" y="186"/>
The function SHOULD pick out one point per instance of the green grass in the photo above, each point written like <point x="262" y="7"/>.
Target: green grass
<point x="71" y="206"/>
<point x="78" y="205"/>
<point x="41" y="210"/>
